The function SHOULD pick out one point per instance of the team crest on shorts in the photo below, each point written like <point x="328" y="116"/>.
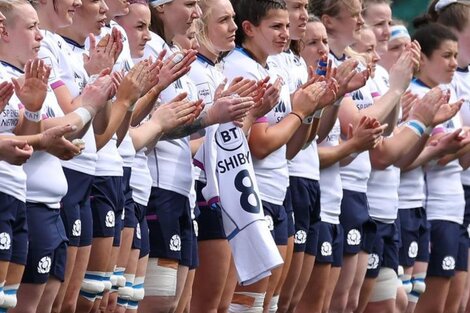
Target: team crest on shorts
<point x="354" y="237"/>
<point x="269" y="222"/>
<point x="44" y="265"/>
<point x="175" y="243"/>
<point x="413" y="250"/>
<point x="300" y="237"/>
<point x="448" y="264"/>
<point x="5" y="241"/>
<point x="326" y="249"/>
<point x="77" y="228"/>
<point x="110" y="221"/>
<point x="373" y="262"/>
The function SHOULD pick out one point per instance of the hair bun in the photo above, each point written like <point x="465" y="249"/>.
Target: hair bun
<point x="422" y="20"/>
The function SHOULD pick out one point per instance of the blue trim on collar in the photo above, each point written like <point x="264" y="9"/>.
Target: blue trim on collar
<point x="205" y="59"/>
<point x="4" y="63"/>
<point x="73" y="42"/>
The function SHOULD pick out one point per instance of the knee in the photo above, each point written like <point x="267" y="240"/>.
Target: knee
<point x="402" y="301"/>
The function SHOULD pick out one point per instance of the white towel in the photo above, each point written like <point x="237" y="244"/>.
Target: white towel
<point x="226" y="160"/>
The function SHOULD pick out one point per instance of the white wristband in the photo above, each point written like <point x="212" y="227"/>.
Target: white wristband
<point x="33" y="116"/>
<point x="337" y="103"/>
<point x="84" y="114"/>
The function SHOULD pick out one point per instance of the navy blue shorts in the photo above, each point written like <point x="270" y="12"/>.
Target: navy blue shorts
<point x="144" y="234"/>
<point x="47" y="251"/>
<point x="128" y="215"/>
<point x="139" y="215"/>
<point x="385" y="250"/>
<point x="290" y="213"/>
<point x="76" y="209"/>
<point x="209" y="219"/>
<point x="445" y="245"/>
<point x="466" y="217"/>
<point x="105" y="203"/>
<point x="305" y="195"/>
<point x="13" y="230"/>
<point x="330" y="244"/>
<point x="462" y="257"/>
<point x="414" y="236"/>
<point x="359" y="229"/>
<point x="170" y="226"/>
<point x="276" y="218"/>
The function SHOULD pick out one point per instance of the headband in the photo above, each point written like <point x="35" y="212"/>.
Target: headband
<point x="442" y="4"/>
<point x="398" y="31"/>
<point x="155" y="3"/>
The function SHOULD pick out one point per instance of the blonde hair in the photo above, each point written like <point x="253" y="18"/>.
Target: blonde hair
<point x="8" y="6"/>
<point x="202" y="29"/>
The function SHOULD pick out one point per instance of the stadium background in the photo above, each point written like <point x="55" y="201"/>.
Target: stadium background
<point x="406" y="10"/>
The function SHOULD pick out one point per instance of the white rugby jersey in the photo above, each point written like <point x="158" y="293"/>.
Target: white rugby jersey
<point x="67" y="69"/>
<point x="207" y="76"/>
<point x="141" y="180"/>
<point x="271" y="172"/>
<point x="42" y="164"/>
<point x="355" y="175"/>
<point x="12" y="177"/>
<point x="444" y="192"/>
<point x="382" y="187"/>
<point x="109" y="162"/>
<point x="331" y="188"/>
<point x="411" y="189"/>
<point x="124" y="63"/>
<point x="306" y="163"/>
<point x="461" y="85"/>
<point x="170" y="162"/>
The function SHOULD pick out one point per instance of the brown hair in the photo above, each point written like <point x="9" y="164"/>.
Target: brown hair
<point x="326" y="7"/>
<point x="455" y="15"/>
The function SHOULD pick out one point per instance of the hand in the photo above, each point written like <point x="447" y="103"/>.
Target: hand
<point x="6" y="91"/>
<point x="402" y="72"/>
<point x="177" y="112"/>
<point x="415" y="49"/>
<point x="105" y="54"/>
<point x="54" y="142"/>
<point x="452" y="142"/>
<point x="446" y="111"/>
<point x="406" y="102"/>
<point x="426" y="108"/>
<point x="306" y="100"/>
<point x="95" y="95"/>
<point x="348" y="78"/>
<point x="272" y="94"/>
<point x="14" y="151"/>
<point x="366" y="135"/>
<point x="32" y="89"/>
<point x="153" y="76"/>
<point x="131" y="86"/>
<point x="228" y="109"/>
<point x="239" y="86"/>
<point x="172" y="71"/>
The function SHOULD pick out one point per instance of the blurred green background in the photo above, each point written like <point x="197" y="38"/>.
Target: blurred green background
<point x="407" y="10"/>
